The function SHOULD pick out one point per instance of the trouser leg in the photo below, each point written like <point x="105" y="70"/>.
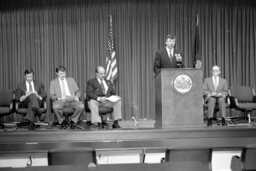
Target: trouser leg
<point x="94" y="108"/>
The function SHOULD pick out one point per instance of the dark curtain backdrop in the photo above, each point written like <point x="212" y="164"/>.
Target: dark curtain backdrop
<point x="42" y="34"/>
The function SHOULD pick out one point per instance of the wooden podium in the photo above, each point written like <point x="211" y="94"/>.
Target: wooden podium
<point x="179" y="97"/>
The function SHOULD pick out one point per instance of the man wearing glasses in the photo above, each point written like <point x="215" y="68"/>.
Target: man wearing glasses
<point x="215" y="89"/>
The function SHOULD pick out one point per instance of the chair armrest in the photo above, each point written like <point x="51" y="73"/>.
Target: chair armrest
<point x="11" y="105"/>
<point x="86" y="106"/>
<point x="228" y="100"/>
<point x="254" y="99"/>
<point x="233" y="102"/>
<point x="17" y="103"/>
<point x="45" y="104"/>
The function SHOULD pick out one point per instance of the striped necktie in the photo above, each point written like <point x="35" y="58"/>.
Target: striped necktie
<point x="30" y="87"/>
<point x="102" y="86"/>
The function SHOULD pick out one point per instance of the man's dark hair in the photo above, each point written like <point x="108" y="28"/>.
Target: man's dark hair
<point x="60" y="68"/>
<point x="170" y="36"/>
<point x="28" y="71"/>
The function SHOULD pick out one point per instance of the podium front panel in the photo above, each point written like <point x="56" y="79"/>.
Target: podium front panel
<point x="179" y="97"/>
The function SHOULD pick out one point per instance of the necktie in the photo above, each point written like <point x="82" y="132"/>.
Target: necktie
<point x="215" y="83"/>
<point x="63" y="89"/>
<point x="102" y="86"/>
<point x="30" y="87"/>
<point x="170" y="54"/>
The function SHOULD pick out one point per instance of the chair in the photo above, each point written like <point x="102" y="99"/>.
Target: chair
<point x="72" y="156"/>
<point x="23" y="111"/>
<point x="242" y="99"/>
<point x="216" y="109"/>
<point x="190" y="159"/>
<point x="103" y="110"/>
<point x="67" y="111"/>
<point x="248" y="157"/>
<point x="246" y="161"/>
<point x="6" y="104"/>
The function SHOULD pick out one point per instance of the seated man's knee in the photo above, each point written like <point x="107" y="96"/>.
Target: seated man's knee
<point x="93" y="103"/>
<point x="80" y="106"/>
<point x="221" y="100"/>
<point x="57" y="106"/>
<point x="211" y="100"/>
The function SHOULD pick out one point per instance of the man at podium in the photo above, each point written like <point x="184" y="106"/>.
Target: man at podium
<point x="169" y="56"/>
<point x="215" y="90"/>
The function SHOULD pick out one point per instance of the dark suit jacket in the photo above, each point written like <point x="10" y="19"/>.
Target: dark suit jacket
<point x="209" y="87"/>
<point x="39" y="88"/>
<point x="94" y="90"/>
<point x="162" y="60"/>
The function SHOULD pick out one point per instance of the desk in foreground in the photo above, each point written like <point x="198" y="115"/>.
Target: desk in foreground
<point x="114" y="167"/>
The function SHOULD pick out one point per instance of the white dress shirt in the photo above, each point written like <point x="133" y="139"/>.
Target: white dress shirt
<point x="32" y="84"/>
<point x="104" y="84"/>
<point x="215" y="82"/>
<point x="67" y="92"/>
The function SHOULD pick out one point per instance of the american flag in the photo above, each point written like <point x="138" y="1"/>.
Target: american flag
<point x="111" y="68"/>
<point x="197" y="57"/>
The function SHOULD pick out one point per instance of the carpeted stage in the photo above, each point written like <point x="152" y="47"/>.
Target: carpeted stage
<point x="128" y="138"/>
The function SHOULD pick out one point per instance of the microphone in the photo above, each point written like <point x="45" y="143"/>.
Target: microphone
<point x="178" y="59"/>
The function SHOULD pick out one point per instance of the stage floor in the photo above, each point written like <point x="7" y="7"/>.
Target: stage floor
<point x="136" y="137"/>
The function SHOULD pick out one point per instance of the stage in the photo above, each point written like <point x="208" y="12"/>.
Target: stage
<point x="233" y="136"/>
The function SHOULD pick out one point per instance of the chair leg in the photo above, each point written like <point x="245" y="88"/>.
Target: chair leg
<point x="249" y="118"/>
<point x="2" y="125"/>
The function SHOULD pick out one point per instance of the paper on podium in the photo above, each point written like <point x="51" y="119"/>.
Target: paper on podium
<point x="113" y="98"/>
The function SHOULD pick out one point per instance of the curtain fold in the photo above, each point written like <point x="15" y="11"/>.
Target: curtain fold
<point x="42" y="34"/>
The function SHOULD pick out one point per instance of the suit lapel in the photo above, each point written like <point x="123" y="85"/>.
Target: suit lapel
<point x="36" y="86"/>
<point x="211" y="84"/>
<point x="166" y="55"/>
<point x="58" y="89"/>
<point x="97" y="83"/>
<point x="24" y="87"/>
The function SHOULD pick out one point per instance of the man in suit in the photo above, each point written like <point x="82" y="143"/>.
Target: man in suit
<point x="215" y="89"/>
<point x="168" y="57"/>
<point x="31" y="94"/>
<point x="97" y="90"/>
<point x="64" y="92"/>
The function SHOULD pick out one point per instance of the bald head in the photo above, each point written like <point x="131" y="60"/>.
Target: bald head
<point x="100" y="72"/>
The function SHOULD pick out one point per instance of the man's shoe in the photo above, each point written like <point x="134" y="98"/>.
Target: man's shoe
<point x="223" y="121"/>
<point x="209" y="122"/>
<point x="115" y="125"/>
<point x="100" y="126"/>
<point x="31" y="126"/>
<point x="72" y="125"/>
<point x="104" y="124"/>
<point x="63" y="125"/>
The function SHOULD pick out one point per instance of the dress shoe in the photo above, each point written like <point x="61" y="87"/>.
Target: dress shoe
<point x="104" y="124"/>
<point x="115" y="125"/>
<point x="223" y="121"/>
<point x="63" y="125"/>
<point x="100" y="126"/>
<point x="209" y="122"/>
<point x="50" y="125"/>
<point x="31" y="126"/>
<point x="72" y="125"/>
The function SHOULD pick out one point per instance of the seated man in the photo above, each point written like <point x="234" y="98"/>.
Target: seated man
<point x="97" y="90"/>
<point x="31" y="94"/>
<point x="215" y="90"/>
<point x="65" y="93"/>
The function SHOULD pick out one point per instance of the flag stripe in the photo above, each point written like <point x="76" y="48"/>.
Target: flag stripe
<point x="111" y="63"/>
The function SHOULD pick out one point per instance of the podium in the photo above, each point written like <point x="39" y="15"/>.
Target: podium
<point x="179" y="97"/>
